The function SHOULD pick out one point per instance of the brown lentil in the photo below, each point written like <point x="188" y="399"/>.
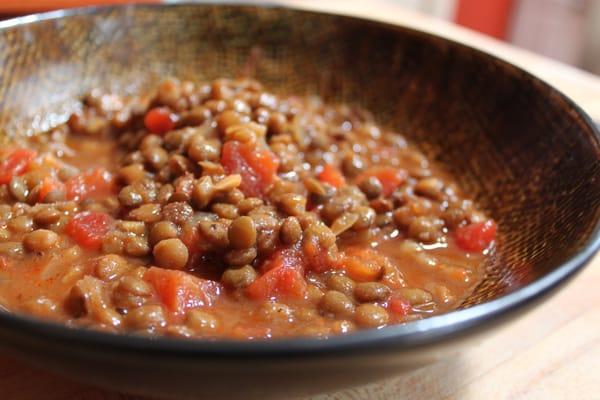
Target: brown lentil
<point x="371" y="316"/>
<point x="163" y="230"/>
<point x="40" y="240"/>
<point x="170" y="253"/>
<point x="337" y="303"/>
<point x="239" y="277"/>
<point x="242" y="233"/>
<point x="290" y="231"/>
<point x="341" y="284"/>
<point x="366" y="292"/>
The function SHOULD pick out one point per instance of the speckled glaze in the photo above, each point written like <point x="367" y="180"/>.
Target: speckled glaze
<point x="528" y="154"/>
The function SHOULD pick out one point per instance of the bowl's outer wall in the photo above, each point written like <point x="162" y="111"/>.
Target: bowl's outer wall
<point x="523" y="150"/>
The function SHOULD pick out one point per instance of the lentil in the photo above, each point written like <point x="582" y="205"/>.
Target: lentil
<point x="40" y="240"/>
<point x="170" y="253"/>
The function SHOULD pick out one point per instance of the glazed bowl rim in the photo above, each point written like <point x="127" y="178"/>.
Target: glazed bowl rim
<point x="408" y="336"/>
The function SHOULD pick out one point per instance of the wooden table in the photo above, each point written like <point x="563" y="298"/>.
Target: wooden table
<point x="551" y="353"/>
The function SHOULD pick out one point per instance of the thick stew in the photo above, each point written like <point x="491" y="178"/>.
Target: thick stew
<point x="220" y="210"/>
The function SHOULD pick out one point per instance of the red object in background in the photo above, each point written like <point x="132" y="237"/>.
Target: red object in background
<point x="31" y="6"/>
<point x="486" y="16"/>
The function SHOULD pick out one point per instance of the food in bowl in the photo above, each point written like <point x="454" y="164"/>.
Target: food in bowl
<point x="220" y="210"/>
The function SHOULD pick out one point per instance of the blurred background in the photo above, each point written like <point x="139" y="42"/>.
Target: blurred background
<point x="565" y="30"/>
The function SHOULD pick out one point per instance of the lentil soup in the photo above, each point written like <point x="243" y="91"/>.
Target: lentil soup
<point x="219" y="210"/>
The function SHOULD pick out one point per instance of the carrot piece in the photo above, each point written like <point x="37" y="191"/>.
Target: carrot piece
<point x="180" y="291"/>
<point x="332" y="175"/>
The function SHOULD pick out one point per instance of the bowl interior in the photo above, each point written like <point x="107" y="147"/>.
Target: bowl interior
<point x="519" y="147"/>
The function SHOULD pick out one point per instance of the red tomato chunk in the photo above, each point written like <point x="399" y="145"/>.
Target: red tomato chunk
<point x="332" y="175"/>
<point x="97" y="182"/>
<point x="282" y="277"/>
<point x="399" y="306"/>
<point x="88" y="228"/>
<point x="258" y="167"/>
<point x="15" y="164"/>
<point x="180" y="291"/>
<point x="477" y="236"/>
<point x="159" y="120"/>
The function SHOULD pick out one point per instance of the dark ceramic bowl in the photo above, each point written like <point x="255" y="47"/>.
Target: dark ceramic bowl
<point x="529" y="155"/>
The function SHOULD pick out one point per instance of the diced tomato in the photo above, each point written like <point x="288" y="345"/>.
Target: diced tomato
<point x="317" y="258"/>
<point x="180" y="291"/>
<point x="88" y="228"/>
<point x="389" y="177"/>
<point x="282" y="276"/>
<point x="50" y="185"/>
<point x="159" y="120"/>
<point x="363" y="264"/>
<point x="282" y="258"/>
<point x="332" y="175"/>
<point x="15" y="164"/>
<point x="263" y="161"/>
<point x="477" y="236"/>
<point x="398" y="306"/>
<point x="283" y="282"/>
<point x="97" y="182"/>
<point x="258" y="167"/>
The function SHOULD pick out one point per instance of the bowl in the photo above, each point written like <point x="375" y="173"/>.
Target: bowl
<point x="528" y="154"/>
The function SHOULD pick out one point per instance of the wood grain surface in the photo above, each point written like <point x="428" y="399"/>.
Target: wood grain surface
<point x="551" y="353"/>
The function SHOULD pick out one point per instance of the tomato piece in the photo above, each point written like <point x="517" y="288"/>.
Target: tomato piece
<point x="159" y="120"/>
<point x="332" y="175"/>
<point x="263" y="162"/>
<point x="258" y="167"/>
<point x="283" y="258"/>
<point x="399" y="306"/>
<point x="88" y="228"/>
<point x="282" y="276"/>
<point x="97" y="182"/>
<point x="363" y="264"/>
<point x="391" y="178"/>
<point x="50" y="185"/>
<point x="180" y="291"/>
<point x="317" y="258"/>
<point x="477" y="236"/>
<point x="15" y="164"/>
<point x="283" y="282"/>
